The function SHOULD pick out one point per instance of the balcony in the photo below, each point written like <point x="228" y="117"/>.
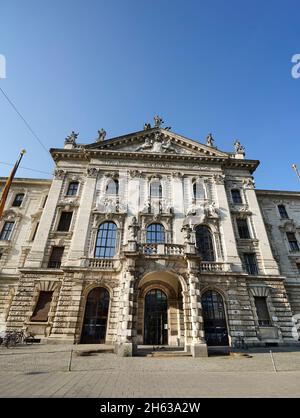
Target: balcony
<point x="214" y="266"/>
<point x="102" y="263"/>
<point x="162" y="249"/>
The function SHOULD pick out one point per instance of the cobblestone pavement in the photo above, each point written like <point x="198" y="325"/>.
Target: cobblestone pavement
<point x="42" y="371"/>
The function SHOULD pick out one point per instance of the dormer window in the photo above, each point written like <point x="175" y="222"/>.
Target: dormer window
<point x="112" y="187"/>
<point x="18" y="199"/>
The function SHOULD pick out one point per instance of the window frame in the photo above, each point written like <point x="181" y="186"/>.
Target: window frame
<point x="210" y="249"/>
<point x="294" y="241"/>
<point x="156" y="232"/>
<point x="60" y="223"/>
<point x="249" y="235"/>
<point x="159" y="188"/>
<point x="14" y="205"/>
<point x="266" y="321"/>
<point x="116" y="186"/>
<point x="70" y="188"/>
<point x="38" y="302"/>
<point x="240" y="199"/>
<point x="111" y="236"/>
<point x="251" y="268"/>
<point x="7" y="235"/>
<point x="55" y="263"/>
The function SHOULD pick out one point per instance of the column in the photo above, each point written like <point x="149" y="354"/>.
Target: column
<point x="78" y="243"/>
<point x="126" y="344"/>
<point x="198" y="344"/>
<point x="270" y="265"/>
<point x="228" y="238"/>
<point x="36" y="255"/>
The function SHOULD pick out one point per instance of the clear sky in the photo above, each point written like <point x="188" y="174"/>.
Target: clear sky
<point x="220" y="66"/>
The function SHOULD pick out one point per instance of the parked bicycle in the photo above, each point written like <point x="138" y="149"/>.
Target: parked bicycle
<point x="11" y="338"/>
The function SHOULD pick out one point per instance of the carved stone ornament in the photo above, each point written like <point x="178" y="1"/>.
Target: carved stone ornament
<point x="59" y="174"/>
<point x="210" y="210"/>
<point x="92" y="172"/>
<point x="101" y="135"/>
<point x="249" y="183"/>
<point x="133" y="229"/>
<point x="135" y="173"/>
<point x="177" y="174"/>
<point x="219" y="178"/>
<point x="71" y="139"/>
<point x="157" y="144"/>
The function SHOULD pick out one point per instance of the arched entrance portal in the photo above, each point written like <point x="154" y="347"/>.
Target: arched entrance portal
<point x="214" y="318"/>
<point x="156" y="318"/>
<point x="95" y="317"/>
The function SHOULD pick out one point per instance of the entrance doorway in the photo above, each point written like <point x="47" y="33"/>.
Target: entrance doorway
<point x="156" y="318"/>
<point x="214" y="318"/>
<point x="95" y="317"/>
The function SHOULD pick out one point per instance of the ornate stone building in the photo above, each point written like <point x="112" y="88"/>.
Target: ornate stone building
<point x="150" y="238"/>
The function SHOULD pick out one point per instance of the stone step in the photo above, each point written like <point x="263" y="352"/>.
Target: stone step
<point x="169" y="354"/>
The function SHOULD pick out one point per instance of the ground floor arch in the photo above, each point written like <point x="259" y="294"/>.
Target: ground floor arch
<point x="95" y="316"/>
<point x="214" y="318"/>
<point x="160" y="316"/>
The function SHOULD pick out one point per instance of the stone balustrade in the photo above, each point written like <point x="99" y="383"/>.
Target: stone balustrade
<point x="214" y="266"/>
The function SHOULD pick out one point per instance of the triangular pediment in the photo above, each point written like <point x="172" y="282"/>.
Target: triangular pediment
<point x="157" y="141"/>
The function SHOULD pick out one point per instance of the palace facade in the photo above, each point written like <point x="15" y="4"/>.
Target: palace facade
<point x="151" y="238"/>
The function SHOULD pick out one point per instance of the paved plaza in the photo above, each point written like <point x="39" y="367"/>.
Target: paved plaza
<point x="43" y="371"/>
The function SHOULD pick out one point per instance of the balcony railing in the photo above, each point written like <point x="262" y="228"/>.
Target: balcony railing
<point x="214" y="266"/>
<point x="101" y="263"/>
<point x="162" y="249"/>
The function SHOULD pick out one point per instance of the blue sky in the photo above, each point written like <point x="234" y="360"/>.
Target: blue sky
<point x="205" y="66"/>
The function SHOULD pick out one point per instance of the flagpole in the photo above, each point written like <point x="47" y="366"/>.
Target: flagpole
<point x="8" y="183"/>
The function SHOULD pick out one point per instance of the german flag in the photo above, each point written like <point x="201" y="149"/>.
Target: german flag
<point x="8" y="183"/>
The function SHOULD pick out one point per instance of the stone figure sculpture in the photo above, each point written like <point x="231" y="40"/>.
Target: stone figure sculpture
<point x="101" y="135"/>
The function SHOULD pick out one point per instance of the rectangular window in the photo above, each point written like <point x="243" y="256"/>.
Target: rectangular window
<point x="73" y="188"/>
<point x="56" y="257"/>
<point x="18" y="199"/>
<point x="6" y="231"/>
<point x="243" y="229"/>
<point x="251" y="264"/>
<point x="292" y="241"/>
<point x="282" y="212"/>
<point x="65" y="221"/>
<point x="42" y="308"/>
<point x="262" y="311"/>
<point x="298" y="267"/>
<point x="236" y="196"/>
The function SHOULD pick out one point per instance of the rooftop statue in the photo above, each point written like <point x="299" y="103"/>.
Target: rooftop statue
<point x="209" y="140"/>
<point x="71" y="139"/>
<point x="158" y="121"/>
<point x="101" y="135"/>
<point x="239" y="149"/>
<point x="147" y="126"/>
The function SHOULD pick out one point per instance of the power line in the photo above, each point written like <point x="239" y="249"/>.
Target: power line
<point x="24" y="120"/>
<point x="26" y="168"/>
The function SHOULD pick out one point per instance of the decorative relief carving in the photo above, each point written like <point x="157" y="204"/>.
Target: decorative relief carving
<point x="219" y="178"/>
<point x="59" y="174"/>
<point x="249" y="183"/>
<point x="92" y="172"/>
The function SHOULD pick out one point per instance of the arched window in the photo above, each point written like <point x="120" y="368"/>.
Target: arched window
<point x="112" y="187"/>
<point x="155" y="234"/>
<point x="204" y="243"/>
<point x="106" y="240"/>
<point x="155" y="189"/>
<point x="198" y="190"/>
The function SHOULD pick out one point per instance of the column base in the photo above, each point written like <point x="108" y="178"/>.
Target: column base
<point x="199" y="350"/>
<point x="125" y="349"/>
